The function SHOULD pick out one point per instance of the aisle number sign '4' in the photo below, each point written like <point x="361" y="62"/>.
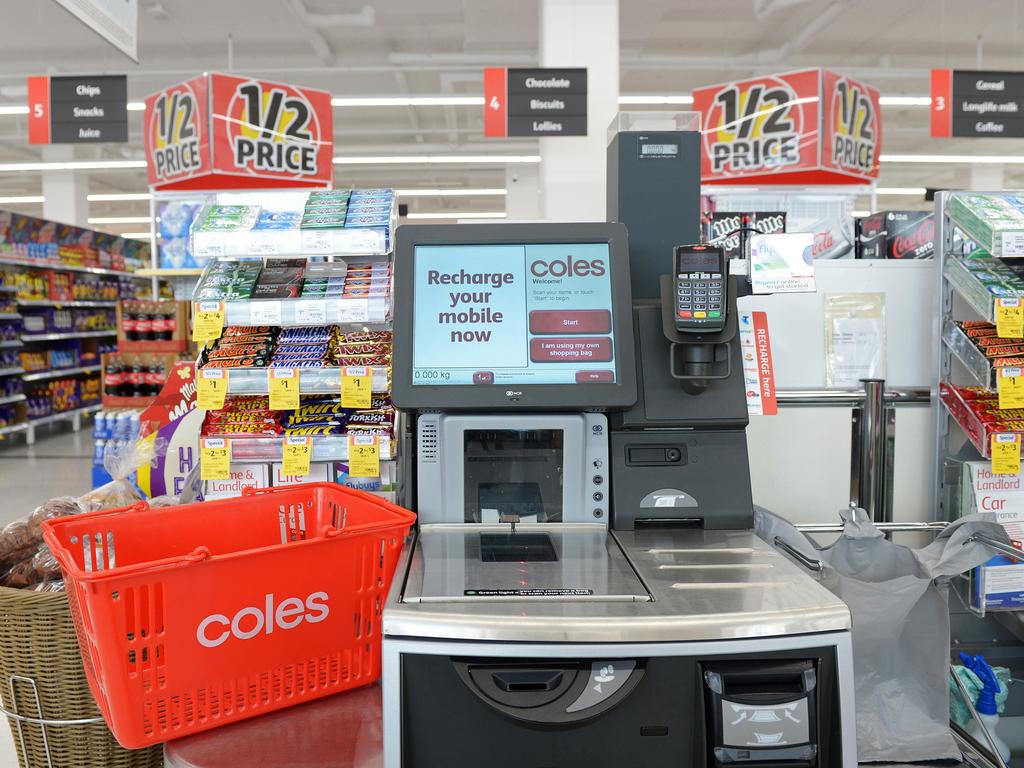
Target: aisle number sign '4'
<point x="221" y="131"/>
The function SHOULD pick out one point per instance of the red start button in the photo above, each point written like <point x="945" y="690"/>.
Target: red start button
<point x="589" y="377"/>
<point x="570" y="321"/>
<point x="578" y="349"/>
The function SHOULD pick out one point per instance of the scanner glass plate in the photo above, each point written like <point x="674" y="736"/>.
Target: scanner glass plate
<point x="483" y="563"/>
<point x="513" y="472"/>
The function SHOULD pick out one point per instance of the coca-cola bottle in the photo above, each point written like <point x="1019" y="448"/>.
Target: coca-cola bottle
<point x="136" y="379"/>
<point x="163" y="322"/>
<point x="129" y="321"/>
<point x="154" y="379"/>
<point x="113" y="377"/>
<point x="144" y="322"/>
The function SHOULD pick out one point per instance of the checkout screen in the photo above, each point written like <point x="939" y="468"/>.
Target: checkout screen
<point x="513" y="314"/>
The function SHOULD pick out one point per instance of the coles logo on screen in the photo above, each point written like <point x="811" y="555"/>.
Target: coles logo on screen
<point x="570" y="266"/>
<point x="248" y="622"/>
<point x="273" y="128"/>
<point x="174" y="133"/>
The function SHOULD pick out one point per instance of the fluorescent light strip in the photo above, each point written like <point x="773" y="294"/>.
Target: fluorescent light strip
<point x="859" y="214"/>
<point x="118" y="197"/>
<point x="918" y="191"/>
<point x="21" y="109"/>
<point x="407" y="101"/>
<point x="15" y="199"/>
<point x="136" y="106"/>
<point x="457" y="215"/>
<point x="74" y="165"/>
<point x="955" y="159"/>
<point x="905" y="101"/>
<point x="436" y="159"/>
<point x="140" y="235"/>
<point x="677" y="99"/>
<point x="456" y="192"/>
<point x="120" y="219"/>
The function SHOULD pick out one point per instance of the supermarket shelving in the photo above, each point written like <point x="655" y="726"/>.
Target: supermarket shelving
<point x="70" y="304"/>
<point x="325" y="448"/>
<point x="10" y="344"/>
<point x="56" y="373"/>
<point x="10" y="316"/>
<point x="29" y="426"/>
<point x="312" y="381"/>
<point x="61" y="267"/>
<point x="12" y="429"/>
<point x="8" y="289"/>
<point x="12" y="399"/>
<point x="11" y="371"/>
<point x="371" y="313"/>
<point x="30" y="337"/>
<point x="974" y="361"/>
<point x="170" y="272"/>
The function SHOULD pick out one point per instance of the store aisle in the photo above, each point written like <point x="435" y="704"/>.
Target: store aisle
<point x="59" y="464"/>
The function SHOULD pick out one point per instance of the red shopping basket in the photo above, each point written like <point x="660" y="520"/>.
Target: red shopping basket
<point x="196" y="616"/>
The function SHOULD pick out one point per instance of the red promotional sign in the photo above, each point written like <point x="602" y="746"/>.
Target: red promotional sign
<point x="223" y="131"/>
<point x="942" y="101"/>
<point x="39" y="109"/>
<point x="779" y="129"/>
<point x="765" y="367"/>
<point x="177" y="133"/>
<point x="495" y="106"/>
<point x="851" y="136"/>
<point x="264" y="130"/>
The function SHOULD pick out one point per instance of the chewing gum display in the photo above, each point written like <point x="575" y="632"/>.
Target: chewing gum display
<point x="994" y="221"/>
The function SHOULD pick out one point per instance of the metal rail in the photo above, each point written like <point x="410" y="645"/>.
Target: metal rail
<point x="849" y="397"/>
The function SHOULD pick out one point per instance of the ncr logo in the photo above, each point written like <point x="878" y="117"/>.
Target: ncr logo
<point x="248" y="622"/>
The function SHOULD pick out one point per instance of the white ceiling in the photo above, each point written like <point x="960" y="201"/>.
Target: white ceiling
<point x="412" y="47"/>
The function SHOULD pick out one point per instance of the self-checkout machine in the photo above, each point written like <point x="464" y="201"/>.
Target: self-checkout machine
<point x="584" y="588"/>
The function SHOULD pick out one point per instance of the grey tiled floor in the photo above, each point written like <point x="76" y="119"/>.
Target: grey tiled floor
<point x="59" y="464"/>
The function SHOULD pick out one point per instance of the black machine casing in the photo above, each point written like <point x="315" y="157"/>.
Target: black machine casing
<point x="657" y="197"/>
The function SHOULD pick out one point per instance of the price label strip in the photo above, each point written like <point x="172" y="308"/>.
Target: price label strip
<point x="265" y="312"/>
<point x="356" y="387"/>
<point x="363" y="456"/>
<point x="1005" y="453"/>
<point x="297" y="452"/>
<point x="1010" y="318"/>
<point x="214" y="459"/>
<point x="1010" y="386"/>
<point x="207" y="321"/>
<point x="311" y="312"/>
<point x="211" y="388"/>
<point x="283" y="386"/>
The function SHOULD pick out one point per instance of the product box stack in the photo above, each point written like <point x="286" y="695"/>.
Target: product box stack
<point x="999" y="584"/>
<point x="992" y="222"/>
<point x="896" y="235"/>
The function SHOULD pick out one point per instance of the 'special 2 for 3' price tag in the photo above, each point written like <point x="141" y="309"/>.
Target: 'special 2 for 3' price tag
<point x="363" y="456"/>
<point x="297" y="452"/>
<point x="211" y="387"/>
<point x="283" y="386"/>
<point x="356" y="386"/>
<point x="207" y="321"/>
<point x="1005" y="453"/>
<point x="1010" y="318"/>
<point x="1010" y="385"/>
<point x="214" y="459"/>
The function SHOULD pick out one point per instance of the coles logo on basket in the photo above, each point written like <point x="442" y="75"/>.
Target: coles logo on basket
<point x="855" y="128"/>
<point x="754" y="125"/>
<point x="174" y="133"/>
<point x="272" y="127"/>
<point x="248" y="622"/>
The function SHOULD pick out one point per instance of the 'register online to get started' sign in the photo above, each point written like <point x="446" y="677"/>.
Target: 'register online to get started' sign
<point x="222" y="131"/>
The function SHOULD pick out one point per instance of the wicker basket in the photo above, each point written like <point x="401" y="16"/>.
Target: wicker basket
<point x="38" y="643"/>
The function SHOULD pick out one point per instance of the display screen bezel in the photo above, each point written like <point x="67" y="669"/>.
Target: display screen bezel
<point x="619" y="394"/>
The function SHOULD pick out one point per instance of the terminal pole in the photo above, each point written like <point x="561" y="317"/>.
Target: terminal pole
<point x="871" y="476"/>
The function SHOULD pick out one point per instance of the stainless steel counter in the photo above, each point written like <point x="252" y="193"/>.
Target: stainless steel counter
<point x="651" y="586"/>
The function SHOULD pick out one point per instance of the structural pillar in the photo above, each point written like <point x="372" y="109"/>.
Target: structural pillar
<point x="580" y="33"/>
<point x="65" y="192"/>
<point x="522" y="203"/>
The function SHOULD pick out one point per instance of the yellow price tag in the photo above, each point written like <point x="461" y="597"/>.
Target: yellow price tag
<point x="1010" y="385"/>
<point x="283" y="385"/>
<point x="363" y="456"/>
<point x="211" y="388"/>
<point x="1005" y="453"/>
<point x="1010" y="318"/>
<point x="297" y="451"/>
<point x="207" y="320"/>
<point x="356" y="387"/>
<point x="214" y="459"/>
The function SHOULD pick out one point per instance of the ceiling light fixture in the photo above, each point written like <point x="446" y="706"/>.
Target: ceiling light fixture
<point x="677" y="99"/>
<point x="118" y="197"/>
<point x="21" y="109"/>
<point x="22" y="199"/>
<point x="455" y="192"/>
<point x="407" y="101"/>
<point x="140" y="235"/>
<point x="458" y="215"/>
<point x="919" y="191"/>
<point x="436" y="159"/>
<point x="74" y="165"/>
<point x="955" y="159"/>
<point x="120" y="219"/>
<point x="905" y="101"/>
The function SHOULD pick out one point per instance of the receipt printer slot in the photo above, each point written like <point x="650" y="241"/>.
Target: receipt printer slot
<point x="656" y="455"/>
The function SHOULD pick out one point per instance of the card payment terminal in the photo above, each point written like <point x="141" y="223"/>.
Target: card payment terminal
<point x="701" y="276"/>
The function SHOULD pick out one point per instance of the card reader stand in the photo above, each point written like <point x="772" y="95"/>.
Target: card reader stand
<point x="695" y="359"/>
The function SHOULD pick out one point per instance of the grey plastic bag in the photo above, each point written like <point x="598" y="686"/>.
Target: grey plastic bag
<point x="898" y="601"/>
